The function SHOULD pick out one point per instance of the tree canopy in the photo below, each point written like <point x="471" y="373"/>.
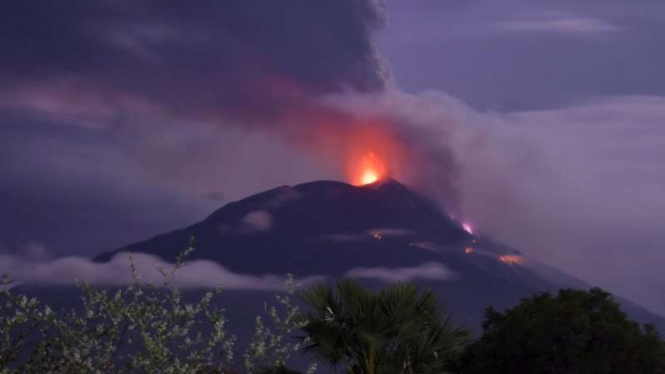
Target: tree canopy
<point x="573" y="332"/>
<point x="397" y="330"/>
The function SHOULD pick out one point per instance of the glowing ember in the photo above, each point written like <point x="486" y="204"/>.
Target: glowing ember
<point x="511" y="259"/>
<point x="467" y="228"/>
<point x="468" y="250"/>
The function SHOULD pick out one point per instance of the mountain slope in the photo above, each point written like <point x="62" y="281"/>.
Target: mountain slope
<point x="307" y="225"/>
<point x="378" y="232"/>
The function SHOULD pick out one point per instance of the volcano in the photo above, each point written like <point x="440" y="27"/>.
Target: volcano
<point x="321" y="228"/>
<point x="380" y="232"/>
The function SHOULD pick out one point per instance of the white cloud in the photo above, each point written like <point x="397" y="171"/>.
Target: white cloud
<point x="258" y="220"/>
<point x="559" y="22"/>
<point x="429" y="271"/>
<point x="286" y="194"/>
<point x="117" y="272"/>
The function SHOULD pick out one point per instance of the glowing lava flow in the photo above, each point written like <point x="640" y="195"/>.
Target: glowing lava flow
<point x="511" y="259"/>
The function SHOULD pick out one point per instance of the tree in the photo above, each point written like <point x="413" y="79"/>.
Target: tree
<point x="575" y="332"/>
<point x="396" y="330"/>
<point x="272" y="345"/>
<point x="141" y="328"/>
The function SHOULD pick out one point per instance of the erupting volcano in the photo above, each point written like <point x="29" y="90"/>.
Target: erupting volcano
<point x="381" y="233"/>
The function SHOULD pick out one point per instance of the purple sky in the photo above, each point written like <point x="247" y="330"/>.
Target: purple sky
<point x="546" y="120"/>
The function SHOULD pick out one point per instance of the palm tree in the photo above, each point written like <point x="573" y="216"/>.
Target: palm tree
<point x="394" y="331"/>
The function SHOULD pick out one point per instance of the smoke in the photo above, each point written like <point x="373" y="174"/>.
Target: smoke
<point x="211" y="59"/>
<point x="420" y="137"/>
<point x="146" y="80"/>
<point x="294" y="69"/>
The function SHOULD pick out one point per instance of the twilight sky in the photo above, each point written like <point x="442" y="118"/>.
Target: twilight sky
<point x="542" y="123"/>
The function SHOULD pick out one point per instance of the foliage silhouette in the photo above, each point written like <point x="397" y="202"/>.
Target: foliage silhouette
<point x="141" y="328"/>
<point x="574" y="332"/>
<point x="397" y="330"/>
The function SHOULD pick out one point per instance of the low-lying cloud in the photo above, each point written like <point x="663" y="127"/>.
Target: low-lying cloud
<point x="426" y="271"/>
<point x="117" y="272"/>
<point x="257" y="221"/>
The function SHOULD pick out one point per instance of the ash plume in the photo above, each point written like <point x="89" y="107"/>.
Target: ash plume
<point x="208" y="58"/>
<point x="291" y="68"/>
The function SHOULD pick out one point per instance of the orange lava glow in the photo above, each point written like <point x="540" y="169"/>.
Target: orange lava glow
<point x="511" y="259"/>
<point x="364" y="149"/>
<point x="370" y="170"/>
<point x="468" y="250"/>
<point x="369" y="177"/>
<point x="371" y="154"/>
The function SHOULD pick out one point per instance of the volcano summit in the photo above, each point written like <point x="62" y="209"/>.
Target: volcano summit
<point x="380" y="232"/>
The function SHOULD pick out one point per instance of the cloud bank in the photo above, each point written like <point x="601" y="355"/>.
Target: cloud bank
<point x="117" y="272"/>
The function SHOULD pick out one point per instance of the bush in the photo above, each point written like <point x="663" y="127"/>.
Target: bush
<point x="138" y="329"/>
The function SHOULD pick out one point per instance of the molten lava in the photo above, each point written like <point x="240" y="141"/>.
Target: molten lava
<point x="370" y="170"/>
<point x="369" y="151"/>
<point x="511" y="259"/>
<point x="369" y="177"/>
